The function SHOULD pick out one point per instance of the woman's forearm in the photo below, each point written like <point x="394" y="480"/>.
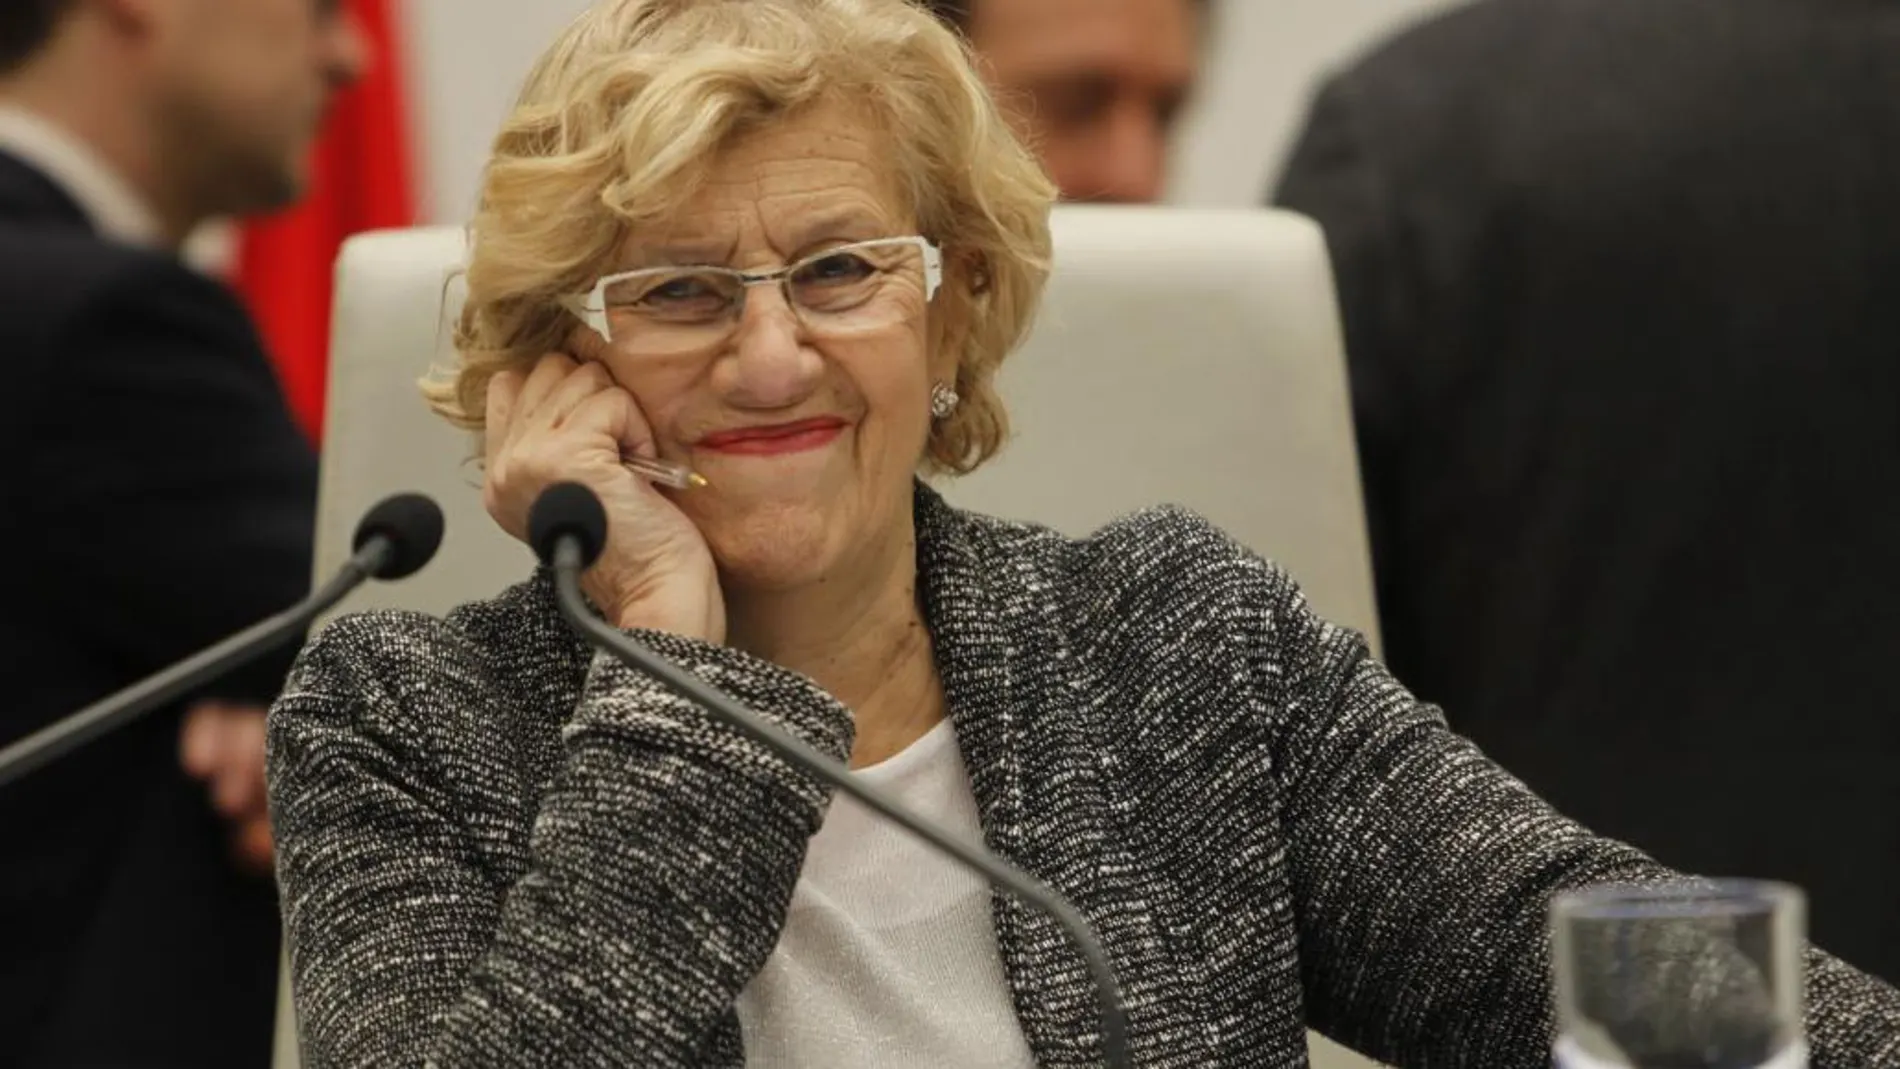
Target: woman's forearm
<point x="663" y="853"/>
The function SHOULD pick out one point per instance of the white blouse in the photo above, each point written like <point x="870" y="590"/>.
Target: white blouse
<point x="888" y="956"/>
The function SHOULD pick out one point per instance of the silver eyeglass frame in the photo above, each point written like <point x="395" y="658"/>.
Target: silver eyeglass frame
<point x="591" y="307"/>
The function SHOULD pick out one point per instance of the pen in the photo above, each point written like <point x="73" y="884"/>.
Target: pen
<point x="673" y="475"/>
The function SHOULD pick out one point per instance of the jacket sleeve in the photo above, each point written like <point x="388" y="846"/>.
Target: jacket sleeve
<point x="1423" y="872"/>
<point x="661" y="861"/>
<point x="173" y="493"/>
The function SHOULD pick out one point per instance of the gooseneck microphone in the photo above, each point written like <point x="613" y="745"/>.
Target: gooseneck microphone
<point x="395" y="538"/>
<point x="568" y="529"/>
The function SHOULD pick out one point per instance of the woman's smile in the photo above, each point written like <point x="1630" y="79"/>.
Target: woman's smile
<point x="775" y="439"/>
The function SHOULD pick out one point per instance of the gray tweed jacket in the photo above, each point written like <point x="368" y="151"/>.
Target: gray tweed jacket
<point x="497" y="849"/>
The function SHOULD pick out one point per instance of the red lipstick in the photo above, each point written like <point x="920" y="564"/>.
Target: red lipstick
<point x="775" y="439"/>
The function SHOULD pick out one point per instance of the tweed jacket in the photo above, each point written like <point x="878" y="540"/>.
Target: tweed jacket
<point x="497" y="848"/>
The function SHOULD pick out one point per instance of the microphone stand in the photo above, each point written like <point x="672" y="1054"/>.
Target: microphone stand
<point x="65" y="735"/>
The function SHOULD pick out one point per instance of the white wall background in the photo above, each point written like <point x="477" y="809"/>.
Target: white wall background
<point x="1264" y="60"/>
<point x="467" y="59"/>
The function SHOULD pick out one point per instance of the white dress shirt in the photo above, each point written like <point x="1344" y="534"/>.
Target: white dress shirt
<point x="109" y="201"/>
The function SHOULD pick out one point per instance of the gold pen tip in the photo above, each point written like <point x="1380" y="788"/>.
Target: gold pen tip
<point x="696" y="479"/>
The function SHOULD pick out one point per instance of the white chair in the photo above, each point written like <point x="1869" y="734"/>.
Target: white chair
<point x="1191" y="357"/>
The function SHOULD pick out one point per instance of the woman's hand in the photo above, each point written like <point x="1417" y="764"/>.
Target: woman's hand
<point x="565" y="421"/>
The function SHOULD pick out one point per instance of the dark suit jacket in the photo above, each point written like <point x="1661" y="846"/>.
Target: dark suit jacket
<point x="158" y="498"/>
<point x="1621" y="287"/>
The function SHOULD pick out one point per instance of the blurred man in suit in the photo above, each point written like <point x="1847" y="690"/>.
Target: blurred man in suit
<point x="160" y="499"/>
<point x="1096" y="85"/>
<point x="1620" y="281"/>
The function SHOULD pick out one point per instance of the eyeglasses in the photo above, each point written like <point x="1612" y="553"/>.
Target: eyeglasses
<point x="839" y="291"/>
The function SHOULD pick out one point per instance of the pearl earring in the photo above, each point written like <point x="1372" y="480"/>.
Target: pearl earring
<point x="943" y="401"/>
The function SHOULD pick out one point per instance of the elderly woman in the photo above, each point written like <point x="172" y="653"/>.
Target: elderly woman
<point x="785" y="244"/>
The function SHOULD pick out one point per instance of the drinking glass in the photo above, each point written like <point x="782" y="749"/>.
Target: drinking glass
<point x="1700" y="974"/>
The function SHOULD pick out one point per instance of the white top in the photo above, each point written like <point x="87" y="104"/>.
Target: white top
<point x="114" y="207"/>
<point x="888" y="956"/>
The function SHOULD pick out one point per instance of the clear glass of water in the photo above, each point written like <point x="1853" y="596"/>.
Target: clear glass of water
<point x="1702" y="974"/>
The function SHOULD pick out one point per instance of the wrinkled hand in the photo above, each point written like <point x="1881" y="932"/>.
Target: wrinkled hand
<point x="222" y="744"/>
<point x="568" y="421"/>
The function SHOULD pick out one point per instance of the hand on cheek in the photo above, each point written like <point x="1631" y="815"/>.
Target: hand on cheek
<point x="568" y="421"/>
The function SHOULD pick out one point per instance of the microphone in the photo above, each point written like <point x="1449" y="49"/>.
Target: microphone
<point x="567" y="528"/>
<point x="394" y="540"/>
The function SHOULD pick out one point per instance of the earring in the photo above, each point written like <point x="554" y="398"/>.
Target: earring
<point x="943" y="401"/>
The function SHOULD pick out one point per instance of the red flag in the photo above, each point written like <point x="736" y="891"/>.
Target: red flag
<point x="360" y="180"/>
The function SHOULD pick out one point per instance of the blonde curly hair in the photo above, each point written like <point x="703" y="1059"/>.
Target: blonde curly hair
<point x="623" y="117"/>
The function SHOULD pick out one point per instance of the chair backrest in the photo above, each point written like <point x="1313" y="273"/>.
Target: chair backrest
<point x="1190" y="357"/>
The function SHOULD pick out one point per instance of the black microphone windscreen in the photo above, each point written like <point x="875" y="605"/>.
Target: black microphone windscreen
<point x="413" y="525"/>
<point x="567" y="510"/>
